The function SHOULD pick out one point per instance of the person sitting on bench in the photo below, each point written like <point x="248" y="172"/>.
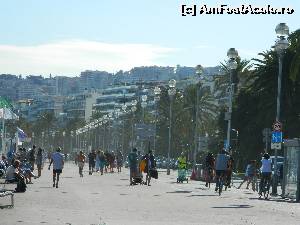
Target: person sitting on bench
<point x="13" y="173"/>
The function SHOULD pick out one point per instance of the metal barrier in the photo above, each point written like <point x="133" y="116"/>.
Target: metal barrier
<point x="291" y="169"/>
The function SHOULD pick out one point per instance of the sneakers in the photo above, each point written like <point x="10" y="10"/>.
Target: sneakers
<point x="56" y="185"/>
<point x="53" y="184"/>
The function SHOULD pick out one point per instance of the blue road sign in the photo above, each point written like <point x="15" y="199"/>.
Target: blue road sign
<point x="276" y="137"/>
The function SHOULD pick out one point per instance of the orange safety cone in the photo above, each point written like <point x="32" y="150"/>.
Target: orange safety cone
<point x="193" y="175"/>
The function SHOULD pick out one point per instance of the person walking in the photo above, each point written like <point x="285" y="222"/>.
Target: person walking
<point x="92" y="161"/>
<point x="57" y="159"/>
<point x="81" y="161"/>
<point x="102" y="162"/>
<point x="266" y="174"/>
<point x="39" y="161"/>
<point x="119" y="161"/>
<point x="209" y="169"/>
<point x="97" y="163"/>
<point x="32" y="157"/>
<point x="150" y="167"/>
<point x="133" y="164"/>
<point x="250" y="175"/>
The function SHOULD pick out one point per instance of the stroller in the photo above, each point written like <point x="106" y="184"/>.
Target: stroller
<point x="182" y="176"/>
<point x="138" y="179"/>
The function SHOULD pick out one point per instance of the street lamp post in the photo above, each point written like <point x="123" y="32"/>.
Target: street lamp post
<point x="232" y="65"/>
<point x="110" y="116"/>
<point x="53" y="136"/>
<point x="71" y="141"/>
<point x="171" y="92"/>
<point x="157" y="92"/>
<point x="124" y="107"/>
<point x="63" y="134"/>
<point x="144" y="104"/>
<point x="43" y="134"/>
<point x="199" y="71"/>
<point x="133" y="109"/>
<point x="282" y="31"/>
<point x="32" y="138"/>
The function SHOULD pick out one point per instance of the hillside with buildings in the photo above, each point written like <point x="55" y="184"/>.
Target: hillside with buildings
<point x="92" y="91"/>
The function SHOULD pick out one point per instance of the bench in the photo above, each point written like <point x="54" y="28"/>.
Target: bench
<point x="4" y="193"/>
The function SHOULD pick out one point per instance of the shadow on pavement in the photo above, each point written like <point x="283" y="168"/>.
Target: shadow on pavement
<point x="203" y="189"/>
<point x="233" y="207"/>
<point x="178" y="192"/>
<point x="287" y="200"/>
<point x="201" y="195"/>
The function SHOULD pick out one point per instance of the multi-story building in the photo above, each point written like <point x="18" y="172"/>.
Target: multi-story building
<point x="90" y="80"/>
<point x="81" y="105"/>
<point x="115" y="97"/>
<point x="31" y="109"/>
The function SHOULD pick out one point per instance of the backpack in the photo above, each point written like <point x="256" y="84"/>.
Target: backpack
<point x="21" y="186"/>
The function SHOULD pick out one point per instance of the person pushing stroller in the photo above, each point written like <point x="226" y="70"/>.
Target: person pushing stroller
<point x="182" y="167"/>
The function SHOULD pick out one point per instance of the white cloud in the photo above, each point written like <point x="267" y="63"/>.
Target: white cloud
<point x="73" y="56"/>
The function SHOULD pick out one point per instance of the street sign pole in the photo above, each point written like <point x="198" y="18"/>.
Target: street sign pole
<point x="276" y="128"/>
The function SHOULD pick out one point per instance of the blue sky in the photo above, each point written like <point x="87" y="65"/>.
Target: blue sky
<point x="65" y="37"/>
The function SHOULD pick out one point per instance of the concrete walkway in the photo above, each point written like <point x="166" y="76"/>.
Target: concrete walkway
<point x="109" y="200"/>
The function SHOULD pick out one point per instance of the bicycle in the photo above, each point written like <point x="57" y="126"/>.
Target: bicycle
<point x="220" y="183"/>
<point x="264" y="186"/>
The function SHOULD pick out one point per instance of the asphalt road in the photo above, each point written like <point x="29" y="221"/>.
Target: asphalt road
<point x="109" y="200"/>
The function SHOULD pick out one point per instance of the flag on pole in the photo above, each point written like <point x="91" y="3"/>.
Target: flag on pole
<point x="20" y="136"/>
<point x="21" y="133"/>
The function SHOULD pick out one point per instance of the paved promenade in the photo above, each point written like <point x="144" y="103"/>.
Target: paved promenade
<point x="109" y="200"/>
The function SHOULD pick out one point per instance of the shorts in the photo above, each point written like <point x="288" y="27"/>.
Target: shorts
<point x="57" y="171"/>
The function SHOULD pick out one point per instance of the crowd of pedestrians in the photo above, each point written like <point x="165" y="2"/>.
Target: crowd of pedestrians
<point x="19" y="168"/>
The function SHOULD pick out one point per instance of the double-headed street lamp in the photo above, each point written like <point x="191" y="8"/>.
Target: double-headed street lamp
<point x="171" y="92"/>
<point x="157" y="92"/>
<point x="232" y="65"/>
<point x="282" y="32"/>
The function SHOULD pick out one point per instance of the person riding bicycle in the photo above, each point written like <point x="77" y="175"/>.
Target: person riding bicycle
<point x="209" y="166"/>
<point x="266" y="173"/>
<point x="221" y="166"/>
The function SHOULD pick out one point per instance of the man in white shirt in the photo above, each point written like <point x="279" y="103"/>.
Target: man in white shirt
<point x="266" y="174"/>
<point x="57" y="159"/>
